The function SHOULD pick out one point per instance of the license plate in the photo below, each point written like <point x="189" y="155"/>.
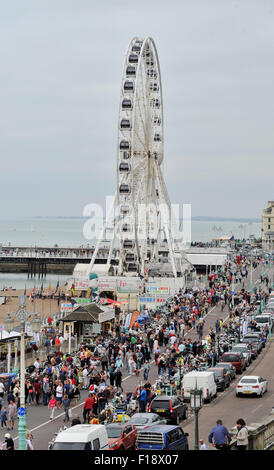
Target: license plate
<point x="161" y="411"/>
<point x="247" y="391"/>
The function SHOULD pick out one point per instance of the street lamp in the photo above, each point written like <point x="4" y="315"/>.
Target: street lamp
<point x="196" y="403"/>
<point x="22" y="315"/>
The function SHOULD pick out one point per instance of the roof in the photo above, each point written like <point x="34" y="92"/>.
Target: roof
<point x="197" y="374"/>
<point x="159" y="428"/>
<point x="74" y="433"/>
<point x="88" y="313"/>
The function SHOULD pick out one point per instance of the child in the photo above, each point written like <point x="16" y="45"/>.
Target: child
<point x="3" y="417"/>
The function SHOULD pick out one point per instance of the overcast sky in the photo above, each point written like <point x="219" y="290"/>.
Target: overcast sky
<point x="60" y="73"/>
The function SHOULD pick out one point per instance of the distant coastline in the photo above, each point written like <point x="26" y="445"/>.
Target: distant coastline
<point x="197" y="218"/>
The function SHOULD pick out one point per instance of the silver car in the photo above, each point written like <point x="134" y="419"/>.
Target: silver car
<point x="245" y="350"/>
<point x="144" y="420"/>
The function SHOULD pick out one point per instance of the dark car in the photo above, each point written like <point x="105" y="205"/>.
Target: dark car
<point x="222" y="377"/>
<point x="229" y="367"/>
<point x="236" y="359"/>
<point x="171" y="408"/>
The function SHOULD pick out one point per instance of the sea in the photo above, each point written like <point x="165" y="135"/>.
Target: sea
<point x="69" y="232"/>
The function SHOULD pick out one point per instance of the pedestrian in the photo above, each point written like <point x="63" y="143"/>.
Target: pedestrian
<point x="242" y="435"/>
<point x="203" y="445"/>
<point x="118" y="379"/>
<point x="146" y="370"/>
<point x="52" y="406"/>
<point x="143" y="400"/>
<point x="9" y="442"/>
<point x="59" y="394"/>
<point x="66" y="405"/>
<point x="29" y="439"/>
<point x="12" y="412"/>
<point x="87" y="409"/>
<point x="4" y="417"/>
<point x="219" y="436"/>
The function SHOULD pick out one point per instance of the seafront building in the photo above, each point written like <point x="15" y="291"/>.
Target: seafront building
<point x="268" y="227"/>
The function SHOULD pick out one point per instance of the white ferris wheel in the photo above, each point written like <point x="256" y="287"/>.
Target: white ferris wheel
<point x="143" y="210"/>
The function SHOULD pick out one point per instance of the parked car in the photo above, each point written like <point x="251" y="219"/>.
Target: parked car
<point x="254" y="346"/>
<point x="245" y="350"/>
<point x="236" y="359"/>
<point x="121" y="437"/>
<point x="172" y="408"/>
<point x="229" y="367"/>
<point x="222" y="377"/>
<point x="255" y="337"/>
<point x="144" y="420"/>
<point x="165" y="437"/>
<point x="251" y="384"/>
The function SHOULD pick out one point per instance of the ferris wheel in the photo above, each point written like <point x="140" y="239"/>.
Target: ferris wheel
<point x="142" y="203"/>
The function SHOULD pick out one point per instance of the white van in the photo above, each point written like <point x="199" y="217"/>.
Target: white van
<point x="263" y="320"/>
<point x="201" y="380"/>
<point x="82" y="437"/>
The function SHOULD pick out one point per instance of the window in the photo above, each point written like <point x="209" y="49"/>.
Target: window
<point x="96" y="444"/>
<point x="128" y="430"/>
<point x="173" y="436"/>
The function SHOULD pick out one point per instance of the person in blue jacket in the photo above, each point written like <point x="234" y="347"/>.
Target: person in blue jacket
<point x="219" y="436"/>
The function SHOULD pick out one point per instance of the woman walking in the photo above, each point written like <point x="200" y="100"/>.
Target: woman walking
<point x="52" y="406"/>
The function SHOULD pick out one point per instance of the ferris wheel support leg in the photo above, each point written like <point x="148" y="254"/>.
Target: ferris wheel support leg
<point x="112" y="241"/>
<point x="165" y="216"/>
<point x="91" y="264"/>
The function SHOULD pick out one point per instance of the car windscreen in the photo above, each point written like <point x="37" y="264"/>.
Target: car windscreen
<point x="217" y="373"/>
<point x="139" y="420"/>
<point x="262" y="320"/>
<point x="231" y="358"/>
<point x="71" y="446"/>
<point x="160" y="404"/>
<point x="114" y="431"/>
<point x="248" y="381"/>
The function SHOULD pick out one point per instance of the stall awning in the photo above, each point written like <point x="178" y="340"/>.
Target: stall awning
<point x="90" y="313"/>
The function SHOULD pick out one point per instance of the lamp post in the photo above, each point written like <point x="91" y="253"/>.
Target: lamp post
<point x="196" y="403"/>
<point x="22" y="315"/>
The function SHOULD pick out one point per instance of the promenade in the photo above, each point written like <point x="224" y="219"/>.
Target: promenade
<point x="43" y="429"/>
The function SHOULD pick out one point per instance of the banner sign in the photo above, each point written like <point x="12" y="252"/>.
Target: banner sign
<point x="128" y="286"/>
<point x="66" y="308"/>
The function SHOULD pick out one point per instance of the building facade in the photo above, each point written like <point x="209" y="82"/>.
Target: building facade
<point x="268" y="227"/>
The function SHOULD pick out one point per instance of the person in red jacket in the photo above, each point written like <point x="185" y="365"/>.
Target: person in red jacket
<point x="37" y="390"/>
<point x="87" y="410"/>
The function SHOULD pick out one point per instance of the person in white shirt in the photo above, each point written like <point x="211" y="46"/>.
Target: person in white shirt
<point x="85" y="376"/>
<point x="59" y="395"/>
<point x="37" y="364"/>
<point x="202" y="445"/>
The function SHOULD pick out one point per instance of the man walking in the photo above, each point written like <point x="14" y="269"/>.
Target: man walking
<point x="219" y="436"/>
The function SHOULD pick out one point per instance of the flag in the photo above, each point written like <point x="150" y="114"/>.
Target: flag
<point x="25" y="291"/>
<point x="57" y="287"/>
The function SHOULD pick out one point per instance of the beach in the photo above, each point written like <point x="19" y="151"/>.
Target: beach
<point x="44" y="307"/>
